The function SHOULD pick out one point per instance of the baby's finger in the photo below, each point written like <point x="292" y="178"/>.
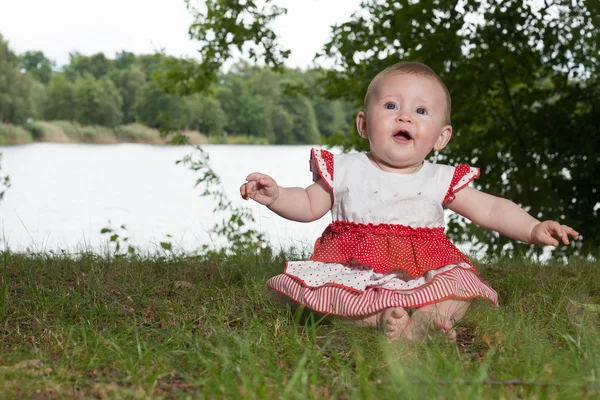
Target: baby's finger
<point x="570" y="231"/>
<point x="547" y="237"/>
<point x="551" y="241"/>
<point x="250" y="189"/>
<point x="246" y="191"/>
<point x="255" y="176"/>
<point x="266" y="181"/>
<point x="564" y="236"/>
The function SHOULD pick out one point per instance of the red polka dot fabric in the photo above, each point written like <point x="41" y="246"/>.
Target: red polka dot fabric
<point x="321" y="165"/>
<point x="463" y="175"/>
<point x="386" y="247"/>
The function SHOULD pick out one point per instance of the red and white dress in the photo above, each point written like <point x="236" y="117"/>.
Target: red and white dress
<point x="386" y="246"/>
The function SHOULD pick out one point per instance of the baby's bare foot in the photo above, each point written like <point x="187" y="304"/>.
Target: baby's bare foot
<point x="393" y="322"/>
<point x="421" y="326"/>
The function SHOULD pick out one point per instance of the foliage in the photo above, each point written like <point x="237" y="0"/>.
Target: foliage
<point x="230" y="26"/>
<point x="4" y="182"/>
<point x="524" y="81"/>
<point x="61" y="103"/>
<point x="16" y="90"/>
<point x="98" y="101"/>
<point x="118" y="239"/>
<point x="36" y="64"/>
<point x="246" y="101"/>
<point x="129" y="82"/>
<point x="240" y="238"/>
<point x="158" y="109"/>
<point x="11" y="134"/>
<point x="67" y="131"/>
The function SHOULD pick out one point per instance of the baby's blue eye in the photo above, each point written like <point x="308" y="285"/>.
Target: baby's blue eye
<point x="421" y="110"/>
<point x="390" y="106"/>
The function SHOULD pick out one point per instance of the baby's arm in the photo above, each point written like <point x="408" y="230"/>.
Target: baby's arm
<point x="296" y="204"/>
<point x="508" y="219"/>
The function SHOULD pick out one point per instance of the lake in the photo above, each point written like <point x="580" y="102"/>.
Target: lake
<point x="63" y="195"/>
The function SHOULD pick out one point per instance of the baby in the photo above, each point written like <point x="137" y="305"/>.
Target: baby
<point x="385" y="260"/>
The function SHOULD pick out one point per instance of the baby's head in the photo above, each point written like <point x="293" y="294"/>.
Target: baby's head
<point x="406" y="116"/>
<point x="416" y="69"/>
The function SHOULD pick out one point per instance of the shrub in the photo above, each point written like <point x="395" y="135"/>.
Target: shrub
<point x="72" y="129"/>
<point x="137" y="133"/>
<point x="36" y="130"/>
<point x="11" y="134"/>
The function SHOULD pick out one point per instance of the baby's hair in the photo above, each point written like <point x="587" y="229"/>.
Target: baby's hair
<point x="411" y="68"/>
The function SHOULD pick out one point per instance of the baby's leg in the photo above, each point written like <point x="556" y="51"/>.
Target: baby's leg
<point x="391" y="321"/>
<point x="296" y="307"/>
<point x="441" y="316"/>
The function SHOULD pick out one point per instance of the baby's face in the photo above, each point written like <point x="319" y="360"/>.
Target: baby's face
<point x="405" y="119"/>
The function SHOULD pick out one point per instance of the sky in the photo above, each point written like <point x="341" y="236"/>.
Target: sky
<point x="59" y="27"/>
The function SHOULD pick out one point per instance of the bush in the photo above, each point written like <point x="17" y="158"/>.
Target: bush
<point x="238" y="139"/>
<point x="98" y="134"/>
<point x="11" y="134"/>
<point x="52" y="132"/>
<point x="137" y="133"/>
<point x="36" y="130"/>
<point x="72" y="129"/>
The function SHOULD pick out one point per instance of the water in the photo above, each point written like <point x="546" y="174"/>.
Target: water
<point x="62" y="195"/>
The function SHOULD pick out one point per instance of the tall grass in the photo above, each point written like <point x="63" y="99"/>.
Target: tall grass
<point x="13" y="134"/>
<point x="68" y="131"/>
<point x="238" y="139"/>
<point x="91" y="326"/>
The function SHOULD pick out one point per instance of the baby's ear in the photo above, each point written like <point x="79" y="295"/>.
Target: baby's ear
<point x="361" y="124"/>
<point x="444" y="138"/>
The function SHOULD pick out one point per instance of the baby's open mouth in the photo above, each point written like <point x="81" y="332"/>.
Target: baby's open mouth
<point x="403" y="135"/>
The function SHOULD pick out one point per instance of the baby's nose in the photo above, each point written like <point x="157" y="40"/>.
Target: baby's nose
<point x="404" y="117"/>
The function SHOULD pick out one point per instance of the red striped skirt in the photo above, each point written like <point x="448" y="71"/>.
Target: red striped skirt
<point x="451" y="282"/>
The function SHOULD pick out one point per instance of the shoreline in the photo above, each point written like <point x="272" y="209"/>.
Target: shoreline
<point x="73" y="132"/>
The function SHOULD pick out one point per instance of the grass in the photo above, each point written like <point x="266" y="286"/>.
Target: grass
<point x="14" y="134"/>
<point x="238" y="139"/>
<point x="67" y="131"/>
<point x="91" y="326"/>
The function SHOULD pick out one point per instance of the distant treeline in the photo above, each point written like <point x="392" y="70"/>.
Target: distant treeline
<point x="117" y="96"/>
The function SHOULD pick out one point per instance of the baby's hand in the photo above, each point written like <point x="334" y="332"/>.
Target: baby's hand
<point x="261" y="188"/>
<point x="546" y="232"/>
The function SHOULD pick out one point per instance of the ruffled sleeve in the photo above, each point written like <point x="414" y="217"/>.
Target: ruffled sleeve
<point x="463" y="175"/>
<point x="321" y="165"/>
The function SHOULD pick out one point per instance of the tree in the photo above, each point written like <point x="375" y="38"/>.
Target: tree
<point x="304" y="128"/>
<point x="36" y="63"/>
<point x="98" y="101"/>
<point x="229" y="26"/>
<point x="331" y="116"/>
<point x="60" y="100"/>
<point x="524" y="81"/>
<point x="247" y="114"/>
<point x="283" y="125"/>
<point x="97" y="65"/>
<point x="129" y="82"/>
<point x="125" y="60"/>
<point x="207" y="115"/>
<point x="158" y="109"/>
<point x="9" y="76"/>
<point x="27" y="99"/>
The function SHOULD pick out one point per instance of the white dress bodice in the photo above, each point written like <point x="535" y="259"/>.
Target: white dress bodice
<point x="365" y="194"/>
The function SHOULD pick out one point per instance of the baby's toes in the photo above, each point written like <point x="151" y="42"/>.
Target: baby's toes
<point x="393" y="322"/>
<point x="446" y="328"/>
